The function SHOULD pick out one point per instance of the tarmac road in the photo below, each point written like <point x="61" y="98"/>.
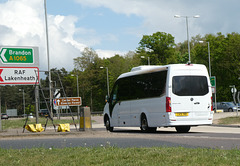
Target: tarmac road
<point x="221" y="137"/>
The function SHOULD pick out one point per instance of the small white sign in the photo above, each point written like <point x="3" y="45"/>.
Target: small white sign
<point x="213" y="89"/>
<point x="19" y="75"/>
<point x="233" y="90"/>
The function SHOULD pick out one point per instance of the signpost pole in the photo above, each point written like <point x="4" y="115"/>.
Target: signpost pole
<point x="37" y="102"/>
<point x="213" y="83"/>
<point x="19" y="65"/>
<point x="234" y="91"/>
<point x="0" y="111"/>
<point x="78" y="109"/>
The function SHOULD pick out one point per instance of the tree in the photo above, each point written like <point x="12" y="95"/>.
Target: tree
<point x="224" y="58"/>
<point x="89" y="56"/>
<point x="90" y="77"/>
<point x="159" y="47"/>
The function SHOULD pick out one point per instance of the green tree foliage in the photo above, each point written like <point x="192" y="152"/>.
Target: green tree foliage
<point x="224" y="58"/>
<point x="91" y="80"/>
<point x="12" y="98"/>
<point x="159" y="47"/>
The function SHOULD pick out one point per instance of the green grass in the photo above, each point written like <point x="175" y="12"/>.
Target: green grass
<point x="230" y="120"/>
<point x="19" y="123"/>
<point x="119" y="156"/>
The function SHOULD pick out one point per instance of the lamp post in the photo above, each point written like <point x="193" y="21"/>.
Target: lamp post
<point x="23" y="102"/>
<point x="48" y="58"/>
<point x="196" y="16"/>
<point x="148" y="59"/>
<point x="107" y="78"/>
<point x="209" y="61"/>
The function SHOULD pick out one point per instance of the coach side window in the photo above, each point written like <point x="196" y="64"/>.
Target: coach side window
<point x="124" y="89"/>
<point x="158" y="84"/>
<point x="114" y="95"/>
<point x="149" y="85"/>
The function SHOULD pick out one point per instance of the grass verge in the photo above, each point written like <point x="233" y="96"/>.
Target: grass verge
<point x="119" y="156"/>
<point x="230" y="120"/>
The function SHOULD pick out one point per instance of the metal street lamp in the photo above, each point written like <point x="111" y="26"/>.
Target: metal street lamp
<point x="148" y="59"/>
<point x="107" y="78"/>
<point x="210" y="74"/>
<point x="196" y="16"/>
<point x="48" y="58"/>
<point x="209" y="61"/>
<point x="23" y="102"/>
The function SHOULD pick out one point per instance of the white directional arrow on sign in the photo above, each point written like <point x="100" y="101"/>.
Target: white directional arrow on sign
<point x="68" y="101"/>
<point x="2" y="55"/>
<point x="58" y="101"/>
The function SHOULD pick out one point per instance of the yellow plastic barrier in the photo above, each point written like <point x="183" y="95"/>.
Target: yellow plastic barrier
<point x="31" y="128"/>
<point x="39" y="127"/>
<point x="219" y="111"/>
<point x="64" y="127"/>
<point x="34" y="128"/>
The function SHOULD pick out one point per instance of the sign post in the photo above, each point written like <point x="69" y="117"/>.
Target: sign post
<point x="19" y="75"/>
<point x="68" y="101"/>
<point x="213" y="83"/>
<point x="19" y="66"/>
<point x="234" y="91"/>
<point x="16" y="55"/>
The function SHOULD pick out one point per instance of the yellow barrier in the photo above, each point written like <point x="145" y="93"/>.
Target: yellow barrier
<point x="39" y="127"/>
<point x="34" y="128"/>
<point x="219" y="111"/>
<point x="88" y="123"/>
<point x="64" y="127"/>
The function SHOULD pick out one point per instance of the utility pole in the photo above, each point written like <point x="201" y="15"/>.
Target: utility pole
<point x="49" y="71"/>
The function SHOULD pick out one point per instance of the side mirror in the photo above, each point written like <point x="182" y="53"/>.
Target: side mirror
<point x="107" y="99"/>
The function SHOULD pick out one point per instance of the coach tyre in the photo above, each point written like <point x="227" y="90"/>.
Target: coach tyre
<point x="144" y="125"/>
<point x="107" y="124"/>
<point x="182" y="129"/>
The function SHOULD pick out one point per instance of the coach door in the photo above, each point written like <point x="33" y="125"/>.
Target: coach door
<point x="120" y="106"/>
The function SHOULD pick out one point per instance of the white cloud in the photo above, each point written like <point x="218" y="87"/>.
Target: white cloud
<point x="22" y="17"/>
<point x="158" y="15"/>
<point x="109" y="53"/>
<point x="23" y="24"/>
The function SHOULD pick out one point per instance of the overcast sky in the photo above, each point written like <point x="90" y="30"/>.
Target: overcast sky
<point x="108" y="26"/>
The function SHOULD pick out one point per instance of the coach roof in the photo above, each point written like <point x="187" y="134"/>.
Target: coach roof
<point x="154" y="68"/>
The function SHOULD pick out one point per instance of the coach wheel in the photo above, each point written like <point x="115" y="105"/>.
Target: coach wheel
<point x="144" y="125"/>
<point x="182" y="129"/>
<point x="107" y="124"/>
